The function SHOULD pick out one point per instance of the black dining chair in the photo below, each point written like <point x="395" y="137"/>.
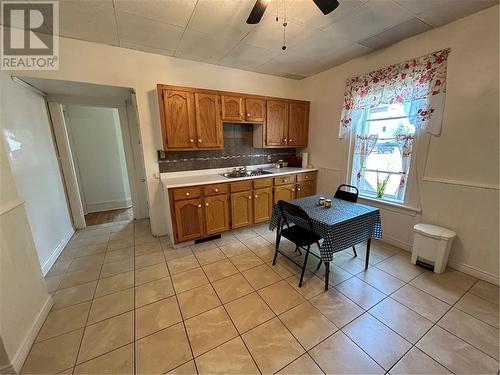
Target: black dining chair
<point x="347" y="195"/>
<point x="302" y="237"/>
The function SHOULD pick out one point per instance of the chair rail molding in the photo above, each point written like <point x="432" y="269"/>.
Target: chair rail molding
<point x="472" y="184"/>
<point x="9" y="206"/>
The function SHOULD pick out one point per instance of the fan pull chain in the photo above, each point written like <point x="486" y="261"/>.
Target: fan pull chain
<point x="284" y="27"/>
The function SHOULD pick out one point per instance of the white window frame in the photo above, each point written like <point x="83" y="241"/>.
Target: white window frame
<point x="418" y="162"/>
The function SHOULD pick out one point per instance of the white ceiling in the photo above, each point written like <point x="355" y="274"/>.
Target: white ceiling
<point x="215" y="31"/>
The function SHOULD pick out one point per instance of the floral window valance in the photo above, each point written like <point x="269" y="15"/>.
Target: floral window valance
<point x="420" y="81"/>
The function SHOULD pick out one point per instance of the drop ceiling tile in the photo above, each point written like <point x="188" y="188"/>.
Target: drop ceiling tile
<point x="138" y="47"/>
<point x="320" y="45"/>
<point x="418" y="6"/>
<point x="204" y="47"/>
<point x="445" y="11"/>
<point x="396" y="33"/>
<point x="246" y="56"/>
<point x="269" y="34"/>
<point x="287" y="63"/>
<point x="175" y="12"/>
<point x="369" y="19"/>
<point x="88" y="20"/>
<point x="343" y="55"/>
<point x="148" y="33"/>
<point x="306" y="13"/>
<point x="224" y="18"/>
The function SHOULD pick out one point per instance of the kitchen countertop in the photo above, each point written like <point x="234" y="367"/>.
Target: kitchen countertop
<point x="211" y="176"/>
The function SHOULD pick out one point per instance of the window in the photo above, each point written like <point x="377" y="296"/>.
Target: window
<point x="382" y="152"/>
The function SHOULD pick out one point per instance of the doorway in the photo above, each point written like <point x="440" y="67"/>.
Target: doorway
<point x="98" y="153"/>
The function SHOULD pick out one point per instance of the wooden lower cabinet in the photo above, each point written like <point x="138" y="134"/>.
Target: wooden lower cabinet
<point x="241" y="209"/>
<point x="201" y="211"/>
<point x="216" y="214"/>
<point x="189" y="219"/>
<point x="262" y="204"/>
<point x="305" y="189"/>
<point x="284" y="192"/>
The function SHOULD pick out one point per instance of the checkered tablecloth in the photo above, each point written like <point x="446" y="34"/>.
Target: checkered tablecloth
<point x="343" y="225"/>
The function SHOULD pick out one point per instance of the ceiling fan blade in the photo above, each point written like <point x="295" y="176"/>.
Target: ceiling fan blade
<point x="257" y="12"/>
<point x="326" y="6"/>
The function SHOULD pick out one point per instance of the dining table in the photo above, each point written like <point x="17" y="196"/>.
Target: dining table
<point x="341" y="226"/>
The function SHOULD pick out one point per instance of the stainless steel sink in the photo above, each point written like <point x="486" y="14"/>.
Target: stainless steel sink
<point x="243" y="172"/>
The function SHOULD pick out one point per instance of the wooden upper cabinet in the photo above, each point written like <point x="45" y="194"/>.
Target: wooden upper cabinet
<point x="208" y="121"/>
<point x="277" y="123"/>
<point x="189" y="219"/>
<point x="298" y="124"/>
<point x="255" y="110"/>
<point x="232" y="108"/>
<point x="177" y="112"/>
<point x="217" y="214"/>
<point x="193" y="118"/>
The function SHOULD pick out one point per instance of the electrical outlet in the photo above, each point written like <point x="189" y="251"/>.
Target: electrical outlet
<point x="269" y="159"/>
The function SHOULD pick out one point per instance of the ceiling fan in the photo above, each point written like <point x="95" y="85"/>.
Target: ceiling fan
<point x="326" y="7"/>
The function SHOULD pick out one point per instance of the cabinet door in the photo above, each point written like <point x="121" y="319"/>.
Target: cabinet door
<point x="255" y="110"/>
<point x="232" y="108"/>
<point x="189" y="219"/>
<point x="298" y="124"/>
<point x="208" y="121"/>
<point x="216" y="214"/>
<point x="277" y="123"/>
<point x="241" y="209"/>
<point x="262" y="205"/>
<point x="284" y="193"/>
<point x="179" y="120"/>
<point x="304" y="189"/>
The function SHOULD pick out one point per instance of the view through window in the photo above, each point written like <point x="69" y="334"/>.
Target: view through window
<point x="382" y="153"/>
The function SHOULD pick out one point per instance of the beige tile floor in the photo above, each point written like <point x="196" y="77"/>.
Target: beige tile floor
<point x="126" y="302"/>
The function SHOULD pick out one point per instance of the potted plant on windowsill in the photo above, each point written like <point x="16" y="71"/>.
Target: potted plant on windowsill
<point x="381" y="185"/>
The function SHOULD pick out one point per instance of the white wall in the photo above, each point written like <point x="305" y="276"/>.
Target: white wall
<point x="97" y="148"/>
<point x="30" y="149"/>
<point x="96" y="63"/>
<point x="459" y="189"/>
<point x="24" y="301"/>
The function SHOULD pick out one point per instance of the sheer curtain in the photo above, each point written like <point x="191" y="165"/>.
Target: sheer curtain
<point x="419" y="83"/>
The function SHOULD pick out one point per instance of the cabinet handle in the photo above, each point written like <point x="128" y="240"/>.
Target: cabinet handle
<point x="284" y="140"/>
<point x="293" y="189"/>
<point x="206" y="204"/>
<point x="285" y="180"/>
<point x="256" y="196"/>
<point x="199" y="140"/>
<point x="298" y="189"/>
<point x="216" y="190"/>
<point x="241" y="114"/>
<point x="191" y="140"/>
<point x="289" y="140"/>
<point x="187" y="194"/>
<point x="307" y="177"/>
<point x="250" y="197"/>
<point x="248" y="114"/>
<point x="199" y="206"/>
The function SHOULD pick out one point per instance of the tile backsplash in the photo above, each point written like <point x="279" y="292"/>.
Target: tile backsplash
<point x="238" y="150"/>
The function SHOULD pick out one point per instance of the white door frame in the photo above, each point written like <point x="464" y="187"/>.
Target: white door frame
<point x="134" y="162"/>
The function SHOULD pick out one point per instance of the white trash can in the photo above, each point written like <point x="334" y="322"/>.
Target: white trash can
<point x="431" y="245"/>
